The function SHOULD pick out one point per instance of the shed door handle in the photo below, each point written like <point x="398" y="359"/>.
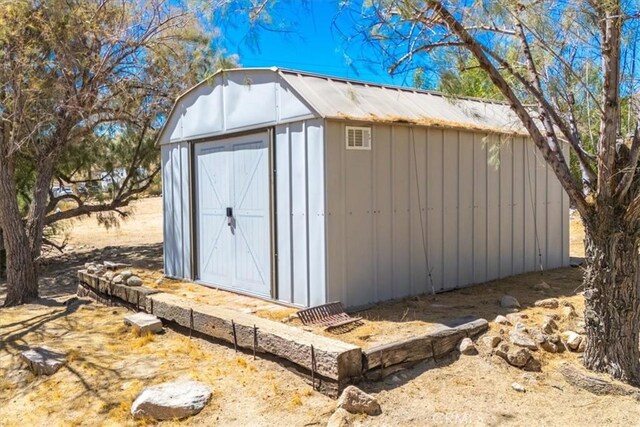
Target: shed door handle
<point x="229" y="216"/>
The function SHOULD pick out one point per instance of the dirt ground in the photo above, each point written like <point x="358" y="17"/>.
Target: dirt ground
<point x="107" y="366"/>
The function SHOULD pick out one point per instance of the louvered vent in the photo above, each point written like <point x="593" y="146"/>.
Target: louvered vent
<point x="358" y="138"/>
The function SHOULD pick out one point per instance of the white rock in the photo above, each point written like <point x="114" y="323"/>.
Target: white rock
<point x="118" y="280"/>
<point x="144" y="323"/>
<point x="518" y="387"/>
<point x="547" y="303"/>
<point x="572" y="339"/>
<point x="520" y="327"/>
<point x="569" y="311"/>
<point x="507" y="301"/>
<point x="134" y="281"/>
<point x="43" y="361"/>
<point x="126" y="274"/>
<point x="357" y="401"/>
<point x="522" y="340"/>
<point x="500" y="319"/>
<point x="467" y="347"/>
<point x="174" y="400"/>
<point x="340" y="418"/>
<point x="109" y="275"/>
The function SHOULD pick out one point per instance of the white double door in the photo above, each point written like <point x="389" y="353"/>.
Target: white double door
<point x="233" y="213"/>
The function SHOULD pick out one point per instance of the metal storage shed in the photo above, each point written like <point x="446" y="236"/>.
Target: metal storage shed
<point x="308" y="189"/>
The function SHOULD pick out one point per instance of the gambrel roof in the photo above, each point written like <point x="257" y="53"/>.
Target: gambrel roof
<point x="242" y="99"/>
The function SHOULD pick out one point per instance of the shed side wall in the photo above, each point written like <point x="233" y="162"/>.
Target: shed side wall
<point x="479" y="208"/>
<point x="300" y="212"/>
<point x="177" y="215"/>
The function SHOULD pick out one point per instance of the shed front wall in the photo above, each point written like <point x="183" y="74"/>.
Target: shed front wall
<point x="428" y="210"/>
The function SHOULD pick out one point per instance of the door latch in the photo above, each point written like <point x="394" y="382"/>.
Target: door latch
<point x="229" y="216"/>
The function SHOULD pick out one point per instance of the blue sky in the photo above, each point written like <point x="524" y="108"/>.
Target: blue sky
<point x="313" y="37"/>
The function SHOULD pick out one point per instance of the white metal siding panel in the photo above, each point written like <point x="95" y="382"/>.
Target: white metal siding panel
<point x="175" y="184"/>
<point x="418" y="222"/>
<point x="541" y="207"/>
<point x="493" y="209"/>
<point x="203" y="111"/>
<point x="554" y="221"/>
<point x="249" y="99"/>
<point x="316" y="211"/>
<point x="382" y="230"/>
<point x="336" y="254"/>
<point x="186" y="213"/>
<point x="479" y="209"/>
<point x="532" y="261"/>
<point x="435" y="203"/>
<point x="450" y="209"/>
<point x="299" y="214"/>
<point x="465" y="209"/>
<point x="506" y="208"/>
<point x="283" y="213"/>
<point x="400" y="184"/>
<point x="170" y="249"/>
<point x="518" y="206"/>
<point x="359" y="223"/>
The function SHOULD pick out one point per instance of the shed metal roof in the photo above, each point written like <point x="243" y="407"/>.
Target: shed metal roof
<point x="338" y="98"/>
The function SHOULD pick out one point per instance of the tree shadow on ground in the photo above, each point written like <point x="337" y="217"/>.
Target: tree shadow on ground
<point x="58" y="272"/>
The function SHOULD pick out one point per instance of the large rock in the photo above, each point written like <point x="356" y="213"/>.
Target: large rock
<point x="507" y="301"/>
<point x="467" y="347"/>
<point x="340" y="418"/>
<point x="547" y="303"/>
<point x="144" y="323"/>
<point x="43" y="361"/>
<point x="126" y="274"/>
<point x="134" y="281"/>
<point x="174" y="400"/>
<point x="521" y="339"/>
<point x="519" y="358"/>
<point x="357" y="401"/>
<point x="533" y="365"/>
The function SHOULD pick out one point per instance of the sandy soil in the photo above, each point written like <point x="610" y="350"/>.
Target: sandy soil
<point x="107" y="365"/>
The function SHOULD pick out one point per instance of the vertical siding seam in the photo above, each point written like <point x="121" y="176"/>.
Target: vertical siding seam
<point x="499" y="171"/>
<point x="325" y="215"/>
<point x="473" y="208"/>
<point x="486" y="202"/>
<point x="343" y="234"/>
<point x="442" y="260"/>
<point x="290" y="213"/>
<point x="306" y="205"/>
<point x="374" y="217"/>
<point x="457" y="239"/>
<point x="429" y="278"/>
<point x="393" y="213"/>
<point x="410" y="140"/>
<point x="513" y="205"/>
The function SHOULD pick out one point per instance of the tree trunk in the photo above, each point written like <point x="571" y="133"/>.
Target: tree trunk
<point x="612" y="313"/>
<point x="22" y="274"/>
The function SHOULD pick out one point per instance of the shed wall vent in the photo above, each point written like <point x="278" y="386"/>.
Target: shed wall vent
<point x="358" y="138"/>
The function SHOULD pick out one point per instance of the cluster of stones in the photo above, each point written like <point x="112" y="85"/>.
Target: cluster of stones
<point x="519" y="344"/>
<point x="107" y="271"/>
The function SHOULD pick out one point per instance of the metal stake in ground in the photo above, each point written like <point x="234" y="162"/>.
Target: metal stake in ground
<point x="255" y="341"/>
<point x="313" y="368"/>
<point x="235" y="338"/>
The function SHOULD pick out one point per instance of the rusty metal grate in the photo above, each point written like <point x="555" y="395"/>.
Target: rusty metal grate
<point x="332" y="316"/>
